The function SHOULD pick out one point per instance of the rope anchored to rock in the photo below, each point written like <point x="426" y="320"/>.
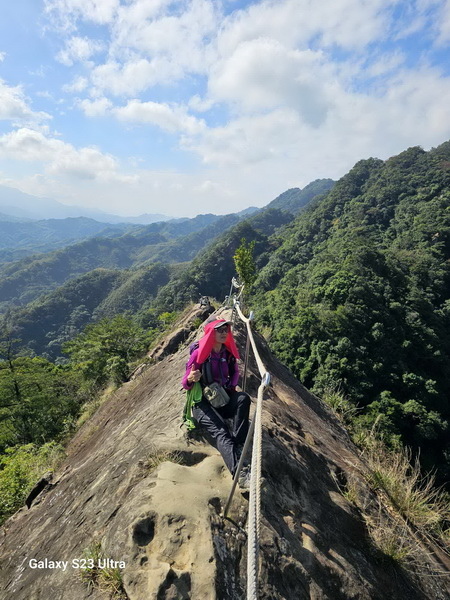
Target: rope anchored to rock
<point x="255" y="431"/>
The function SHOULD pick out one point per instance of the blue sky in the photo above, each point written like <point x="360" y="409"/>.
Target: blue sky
<point x="186" y="107"/>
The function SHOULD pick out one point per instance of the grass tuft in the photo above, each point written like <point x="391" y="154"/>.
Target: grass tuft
<point x="108" y="579"/>
<point x="411" y="494"/>
<point x="392" y="540"/>
<point x="157" y="456"/>
<point x="344" y="410"/>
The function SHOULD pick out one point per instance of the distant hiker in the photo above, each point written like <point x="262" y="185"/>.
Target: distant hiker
<point x="204" y="301"/>
<point x="212" y="375"/>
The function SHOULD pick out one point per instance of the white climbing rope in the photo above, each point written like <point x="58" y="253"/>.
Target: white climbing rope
<point x="254" y="512"/>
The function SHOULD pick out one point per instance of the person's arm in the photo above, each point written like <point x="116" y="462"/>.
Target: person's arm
<point x="188" y="380"/>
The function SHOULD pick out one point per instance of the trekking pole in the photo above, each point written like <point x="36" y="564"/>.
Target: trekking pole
<point x="248" y="441"/>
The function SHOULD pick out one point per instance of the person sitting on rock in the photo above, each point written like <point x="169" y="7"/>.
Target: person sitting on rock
<point x="215" y="361"/>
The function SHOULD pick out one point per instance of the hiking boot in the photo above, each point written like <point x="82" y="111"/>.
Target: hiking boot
<point x="244" y="479"/>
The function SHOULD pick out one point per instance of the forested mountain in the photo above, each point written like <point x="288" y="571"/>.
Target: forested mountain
<point x="354" y="294"/>
<point x="294" y="199"/>
<point x="357" y="297"/>
<point x="211" y="271"/>
<point x="25" y="280"/>
<point x="11" y="219"/>
<point x="23" y="238"/>
<point x="44" y="325"/>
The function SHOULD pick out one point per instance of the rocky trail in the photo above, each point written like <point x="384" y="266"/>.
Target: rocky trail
<point x="133" y="485"/>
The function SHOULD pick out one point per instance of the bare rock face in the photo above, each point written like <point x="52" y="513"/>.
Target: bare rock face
<point x="132" y="484"/>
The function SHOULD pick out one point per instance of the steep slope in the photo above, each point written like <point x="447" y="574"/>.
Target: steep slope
<point x="356" y="298"/>
<point x="159" y="512"/>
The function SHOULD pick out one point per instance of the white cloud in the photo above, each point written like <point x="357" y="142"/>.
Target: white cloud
<point x="248" y="140"/>
<point x="134" y="76"/>
<point x="287" y="91"/>
<point x="78" y="49"/>
<point x="199" y="104"/>
<point x="385" y="63"/>
<point x="150" y="47"/>
<point x="79" y="84"/>
<point x="170" y="118"/>
<point x="411" y="109"/>
<point x="182" y="36"/>
<point x="416" y="106"/>
<point x="2" y="56"/>
<point x="66" y="13"/>
<point x="262" y="74"/>
<point x="95" y="108"/>
<point x="351" y="24"/>
<point x="59" y="157"/>
<point x="14" y="105"/>
<point x="443" y="23"/>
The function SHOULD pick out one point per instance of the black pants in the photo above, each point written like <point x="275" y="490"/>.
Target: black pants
<point x="213" y="421"/>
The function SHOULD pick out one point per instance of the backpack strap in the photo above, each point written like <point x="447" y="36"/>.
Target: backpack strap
<point x="207" y="377"/>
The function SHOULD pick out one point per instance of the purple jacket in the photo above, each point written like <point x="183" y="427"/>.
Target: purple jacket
<point x="225" y="374"/>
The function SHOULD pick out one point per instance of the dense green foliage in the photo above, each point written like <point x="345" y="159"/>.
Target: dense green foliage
<point x="105" y="350"/>
<point x="357" y="297"/>
<point x="21" y="468"/>
<point x="295" y="199"/>
<point x="245" y="264"/>
<point x="38" y="400"/>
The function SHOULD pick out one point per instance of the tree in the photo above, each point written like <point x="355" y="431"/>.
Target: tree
<point x="104" y="350"/>
<point x="38" y="400"/>
<point x="245" y="264"/>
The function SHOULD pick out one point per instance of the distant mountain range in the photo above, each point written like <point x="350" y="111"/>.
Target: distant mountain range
<point x="16" y="206"/>
<point x="39" y="278"/>
<point x="14" y="203"/>
<point x="21" y="238"/>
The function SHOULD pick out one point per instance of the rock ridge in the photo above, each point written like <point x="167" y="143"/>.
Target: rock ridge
<point x="132" y="483"/>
